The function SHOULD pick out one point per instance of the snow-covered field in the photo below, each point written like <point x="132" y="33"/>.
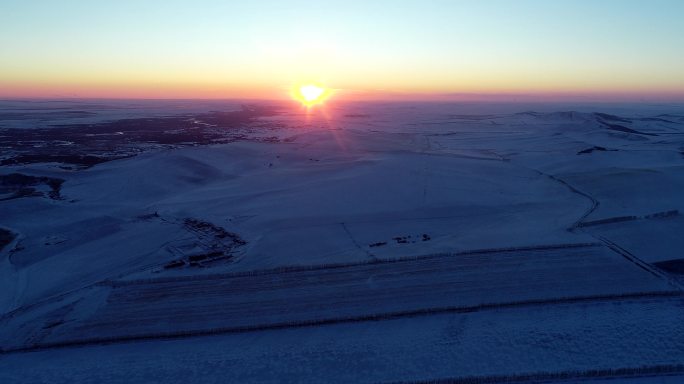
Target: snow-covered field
<point x="358" y="243"/>
<point x="574" y="339"/>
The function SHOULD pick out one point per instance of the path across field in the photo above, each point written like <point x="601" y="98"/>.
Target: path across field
<point x="355" y="292"/>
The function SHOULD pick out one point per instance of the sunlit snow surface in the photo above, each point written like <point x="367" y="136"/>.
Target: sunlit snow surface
<point x="189" y="241"/>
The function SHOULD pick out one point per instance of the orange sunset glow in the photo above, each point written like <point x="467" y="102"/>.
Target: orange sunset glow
<point x="342" y="191"/>
<point x="364" y="51"/>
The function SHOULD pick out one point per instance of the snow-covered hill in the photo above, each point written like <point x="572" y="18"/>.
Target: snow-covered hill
<point x="407" y="241"/>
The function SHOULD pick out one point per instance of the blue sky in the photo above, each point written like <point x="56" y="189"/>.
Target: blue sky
<point x="394" y="46"/>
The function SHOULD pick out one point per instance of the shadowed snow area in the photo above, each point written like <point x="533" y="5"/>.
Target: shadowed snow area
<point x="383" y="242"/>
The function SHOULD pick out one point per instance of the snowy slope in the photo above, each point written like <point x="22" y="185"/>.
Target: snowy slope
<point x="308" y="219"/>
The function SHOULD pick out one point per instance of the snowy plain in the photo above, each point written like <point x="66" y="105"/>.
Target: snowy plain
<point x="375" y="242"/>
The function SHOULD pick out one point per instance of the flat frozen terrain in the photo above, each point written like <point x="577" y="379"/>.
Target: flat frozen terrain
<point x="636" y="336"/>
<point x="379" y="242"/>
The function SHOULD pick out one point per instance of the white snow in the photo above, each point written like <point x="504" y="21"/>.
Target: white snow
<point x="358" y="183"/>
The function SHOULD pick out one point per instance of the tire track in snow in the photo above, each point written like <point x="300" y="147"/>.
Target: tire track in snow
<point x="346" y="230"/>
<point x="576" y="227"/>
<point x="630" y="373"/>
<point x="664" y="295"/>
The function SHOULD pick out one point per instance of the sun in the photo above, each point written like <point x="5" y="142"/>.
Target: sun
<point x="311" y="94"/>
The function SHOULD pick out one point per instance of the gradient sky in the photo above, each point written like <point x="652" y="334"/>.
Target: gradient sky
<point x="225" y="49"/>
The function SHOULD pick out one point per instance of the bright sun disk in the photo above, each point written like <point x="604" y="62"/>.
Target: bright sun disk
<point x="311" y="94"/>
